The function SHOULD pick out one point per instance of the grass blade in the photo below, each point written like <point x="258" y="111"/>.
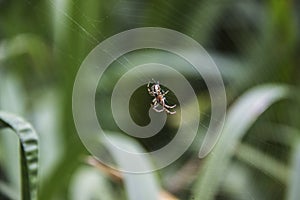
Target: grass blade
<point x="263" y="162"/>
<point x="294" y="192"/>
<point x="239" y="119"/>
<point x="7" y="191"/>
<point x="138" y="185"/>
<point x="28" y="150"/>
<point x="90" y="183"/>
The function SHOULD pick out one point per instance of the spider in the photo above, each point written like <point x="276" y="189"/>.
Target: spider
<point x="160" y="99"/>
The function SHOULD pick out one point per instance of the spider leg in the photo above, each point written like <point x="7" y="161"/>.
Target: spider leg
<point x="167" y="106"/>
<point x="149" y="90"/>
<point x="155" y="105"/>
<point x="166" y="92"/>
<point x="157" y="82"/>
<point x="169" y="112"/>
<point x="151" y="93"/>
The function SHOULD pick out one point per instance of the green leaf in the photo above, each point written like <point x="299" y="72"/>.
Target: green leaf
<point x="28" y="152"/>
<point x="239" y="119"/>
<point x="90" y="183"/>
<point x="263" y="162"/>
<point x="7" y="191"/>
<point x="28" y="44"/>
<point x="294" y="192"/>
<point x="137" y="185"/>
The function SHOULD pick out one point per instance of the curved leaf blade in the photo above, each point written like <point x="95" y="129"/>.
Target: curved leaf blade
<point x="28" y="150"/>
<point x="240" y="118"/>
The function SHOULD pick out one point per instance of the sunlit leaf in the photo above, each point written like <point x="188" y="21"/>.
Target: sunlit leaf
<point x="240" y="117"/>
<point x="90" y="183"/>
<point x="138" y="185"/>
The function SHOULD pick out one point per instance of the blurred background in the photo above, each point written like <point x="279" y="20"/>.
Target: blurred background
<point x="255" y="44"/>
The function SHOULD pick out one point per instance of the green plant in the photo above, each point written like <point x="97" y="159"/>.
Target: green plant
<point x="28" y="141"/>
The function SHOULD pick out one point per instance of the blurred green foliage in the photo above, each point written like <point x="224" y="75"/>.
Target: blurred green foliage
<point x="42" y="44"/>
